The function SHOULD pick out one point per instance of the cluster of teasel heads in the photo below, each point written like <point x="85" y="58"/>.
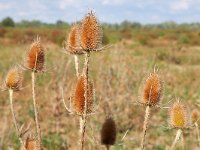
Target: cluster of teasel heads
<point x="85" y="38"/>
<point x="179" y="117"/>
<point x="34" y="62"/>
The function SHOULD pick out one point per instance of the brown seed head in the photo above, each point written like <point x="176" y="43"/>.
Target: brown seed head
<point x="31" y="144"/>
<point x="108" y="132"/>
<point x="14" y="79"/>
<point x="152" y="91"/>
<point x="91" y="33"/>
<point x="179" y="116"/>
<point x="79" y="98"/>
<point x="195" y="116"/>
<point x="35" y="57"/>
<point x="73" y="45"/>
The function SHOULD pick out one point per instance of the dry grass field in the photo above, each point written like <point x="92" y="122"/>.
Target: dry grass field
<point x="117" y="73"/>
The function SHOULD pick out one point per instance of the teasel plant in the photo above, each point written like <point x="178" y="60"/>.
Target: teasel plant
<point x="109" y="128"/>
<point x="179" y="118"/>
<point x="195" y="120"/>
<point x="151" y="95"/>
<point x="85" y="38"/>
<point x="13" y="83"/>
<point x="35" y="62"/>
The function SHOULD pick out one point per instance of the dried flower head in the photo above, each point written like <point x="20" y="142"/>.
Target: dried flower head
<point x="108" y="132"/>
<point x="152" y="91"/>
<point x="79" y="96"/>
<point x="179" y="116"/>
<point x="14" y="79"/>
<point x="35" y="57"/>
<point x="31" y="144"/>
<point x="73" y="41"/>
<point x="195" y="116"/>
<point x="91" y="33"/>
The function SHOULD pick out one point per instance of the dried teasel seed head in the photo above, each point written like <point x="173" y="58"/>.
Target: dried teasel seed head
<point x="195" y="116"/>
<point x="179" y="115"/>
<point x="30" y="144"/>
<point x="90" y="33"/>
<point x="152" y="91"/>
<point x="108" y="132"/>
<point x="73" y="46"/>
<point x="79" y="96"/>
<point x="14" y="79"/>
<point x="35" y="57"/>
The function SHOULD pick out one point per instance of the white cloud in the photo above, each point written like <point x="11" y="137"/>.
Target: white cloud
<point x="69" y="3"/>
<point x="112" y="2"/>
<point x="180" y="5"/>
<point x="5" y="6"/>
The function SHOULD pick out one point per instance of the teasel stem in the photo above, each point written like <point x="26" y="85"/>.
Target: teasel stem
<point x="107" y="147"/>
<point x="84" y="116"/>
<point x="145" y="125"/>
<point x="178" y="134"/>
<point x="14" y="118"/>
<point x="76" y="65"/>
<point x="197" y="130"/>
<point x="182" y="141"/>
<point x="36" y="112"/>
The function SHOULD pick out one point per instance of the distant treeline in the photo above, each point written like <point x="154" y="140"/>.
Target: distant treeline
<point x="9" y="22"/>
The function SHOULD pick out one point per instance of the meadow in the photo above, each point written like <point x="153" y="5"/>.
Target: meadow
<point x="117" y="72"/>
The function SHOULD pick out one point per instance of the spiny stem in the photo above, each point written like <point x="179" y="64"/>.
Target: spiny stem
<point x="145" y="125"/>
<point x="14" y="118"/>
<point x="182" y="141"/>
<point x="76" y="65"/>
<point x="178" y="134"/>
<point x="197" y="130"/>
<point x="36" y="112"/>
<point x="107" y="147"/>
<point x="84" y="116"/>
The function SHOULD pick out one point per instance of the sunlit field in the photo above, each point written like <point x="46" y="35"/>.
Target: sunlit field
<point x="130" y="52"/>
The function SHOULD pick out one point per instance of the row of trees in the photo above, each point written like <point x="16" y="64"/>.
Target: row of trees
<point x="9" y="22"/>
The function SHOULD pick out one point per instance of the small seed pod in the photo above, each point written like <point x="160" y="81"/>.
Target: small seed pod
<point x="31" y="144"/>
<point x="195" y="116"/>
<point x="91" y="33"/>
<point x="179" y="116"/>
<point x="14" y="79"/>
<point x="108" y="132"/>
<point x="73" y="46"/>
<point x="79" y="96"/>
<point x="152" y="91"/>
<point x="35" y="57"/>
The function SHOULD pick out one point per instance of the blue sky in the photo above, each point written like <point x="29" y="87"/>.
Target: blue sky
<point x="144" y="11"/>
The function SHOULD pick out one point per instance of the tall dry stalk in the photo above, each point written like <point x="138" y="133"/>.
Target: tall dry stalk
<point x="13" y="83"/>
<point x="177" y="137"/>
<point x="35" y="62"/>
<point x="152" y="93"/>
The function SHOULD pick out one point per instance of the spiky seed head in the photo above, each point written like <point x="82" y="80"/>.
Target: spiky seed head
<point x="31" y="144"/>
<point x="179" y="116"/>
<point x="152" y="91"/>
<point x="73" y="41"/>
<point x="14" y="79"/>
<point x="79" y="96"/>
<point x="91" y="33"/>
<point x="195" y="116"/>
<point x="108" y="132"/>
<point x="35" y="57"/>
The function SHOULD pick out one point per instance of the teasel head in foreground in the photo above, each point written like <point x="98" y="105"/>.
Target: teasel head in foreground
<point x="90" y="33"/>
<point x="179" y="116"/>
<point x="14" y="79"/>
<point x="152" y="91"/>
<point x="30" y="144"/>
<point x="35" y="59"/>
<point x="73" y="41"/>
<point x="79" y="97"/>
<point x="108" y="132"/>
